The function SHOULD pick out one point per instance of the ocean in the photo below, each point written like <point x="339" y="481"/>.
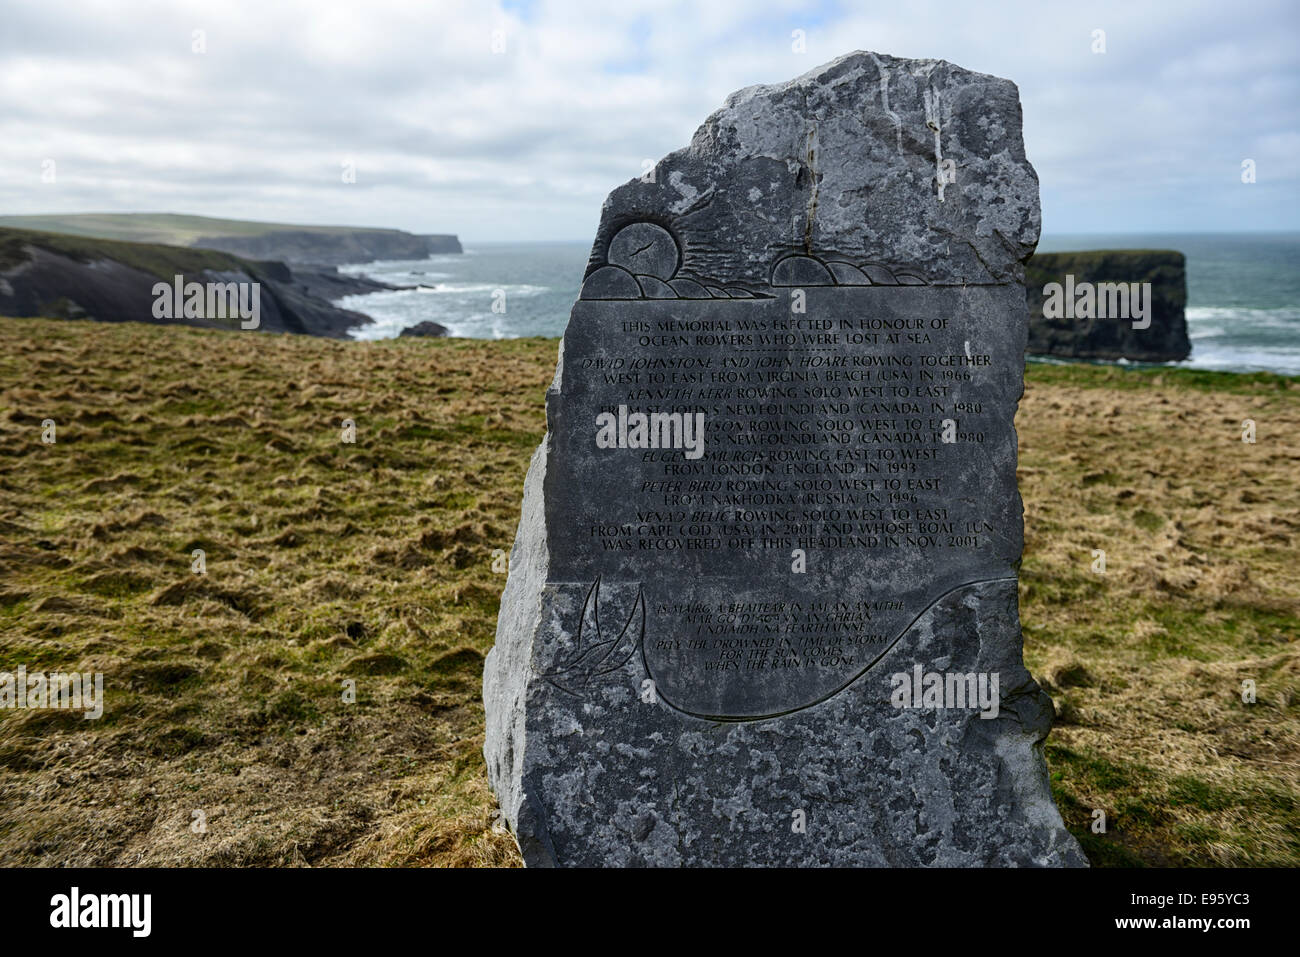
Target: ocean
<point x="1243" y="292"/>
<point x="532" y="286"/>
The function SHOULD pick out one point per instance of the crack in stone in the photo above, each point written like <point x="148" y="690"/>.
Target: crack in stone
<point x="932" y="121"/>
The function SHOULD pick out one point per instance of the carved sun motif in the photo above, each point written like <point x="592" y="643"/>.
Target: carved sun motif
<point x="644" y="261"/>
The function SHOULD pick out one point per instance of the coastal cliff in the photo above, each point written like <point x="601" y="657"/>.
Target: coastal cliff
<point x="332" y="249"/>
<point x="1069" y="334"/>
<point x="76" y="277"/>
<point x="283" y="242"/>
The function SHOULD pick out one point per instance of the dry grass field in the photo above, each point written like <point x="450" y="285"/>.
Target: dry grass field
<point x="226" y="739"/>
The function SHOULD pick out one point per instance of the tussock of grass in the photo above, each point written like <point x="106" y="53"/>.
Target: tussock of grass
<point x="372" y="563"/>
<point x="1200" y="593"/>
<point x="325" y="561"/>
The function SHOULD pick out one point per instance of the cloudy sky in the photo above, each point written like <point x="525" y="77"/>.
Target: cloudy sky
<point x="512" y="120"/>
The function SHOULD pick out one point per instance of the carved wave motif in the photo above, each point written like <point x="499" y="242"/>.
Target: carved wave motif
<point x="802" y="270"/>
<point x="644" y="261"/>
<point x="665" y="691"/>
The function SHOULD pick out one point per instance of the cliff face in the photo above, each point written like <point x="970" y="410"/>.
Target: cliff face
<point x="286" y="242"/>
<point x="332" y="248"/>
<point x="73" y="277"/>
<point x="442" y="243"/>
<point x="1071" y="329"/>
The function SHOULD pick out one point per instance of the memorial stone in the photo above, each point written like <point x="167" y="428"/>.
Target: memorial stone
<point x="762" y="604"/>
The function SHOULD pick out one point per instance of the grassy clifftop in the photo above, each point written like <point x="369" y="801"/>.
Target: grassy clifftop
<point x="175" y="229"/>
<point x="278" y="242"/>
<point x="372" y="562"/>
<point x="155" y="259"/>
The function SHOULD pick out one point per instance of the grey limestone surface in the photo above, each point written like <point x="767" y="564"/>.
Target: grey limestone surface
<point x="777" y="501"/>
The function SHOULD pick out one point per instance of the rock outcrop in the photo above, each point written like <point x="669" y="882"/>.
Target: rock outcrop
<point x="1090" y="337"/>
<point x="75" y="277"/>
<point x="426" y="328"/>
<point x="332" y="248"/>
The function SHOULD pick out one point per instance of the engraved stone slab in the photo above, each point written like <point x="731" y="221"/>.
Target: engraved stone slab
<point x="777" y="491"/>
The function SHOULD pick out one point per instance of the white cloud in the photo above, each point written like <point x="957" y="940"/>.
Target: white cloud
<point x="449" y="136"/>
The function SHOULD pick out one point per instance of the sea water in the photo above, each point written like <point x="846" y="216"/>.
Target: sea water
<point x="1243" y="292"/>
